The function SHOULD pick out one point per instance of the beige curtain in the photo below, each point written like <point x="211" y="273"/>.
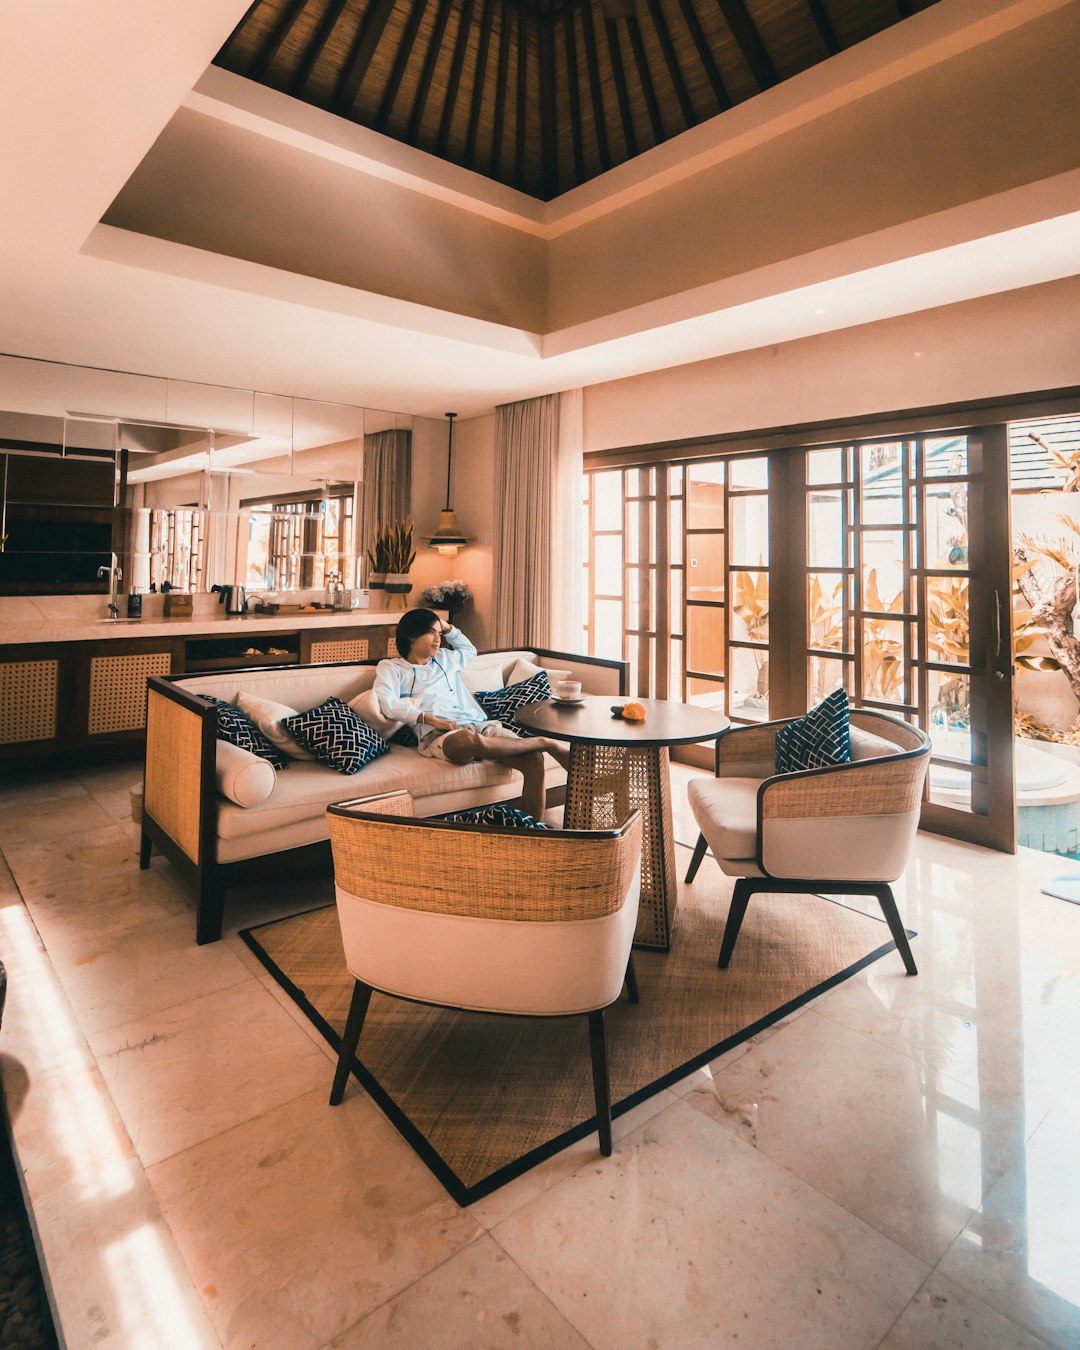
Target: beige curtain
<point x="526" y="475"/>
<point x="387" y="491"/>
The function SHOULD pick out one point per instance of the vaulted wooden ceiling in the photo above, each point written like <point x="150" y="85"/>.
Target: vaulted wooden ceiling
<point x="541" y="94"/>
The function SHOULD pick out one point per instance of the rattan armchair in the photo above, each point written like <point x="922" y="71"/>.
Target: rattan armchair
<point x="843" y="829"/>
<point x="533" y="923"/>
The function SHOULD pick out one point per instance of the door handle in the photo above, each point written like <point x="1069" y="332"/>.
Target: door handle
<point x="997" y="625"/>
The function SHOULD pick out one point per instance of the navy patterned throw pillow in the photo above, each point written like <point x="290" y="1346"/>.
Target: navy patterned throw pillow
<point x="237" y="728"/>
<point x="496" y="814"/>
<point x="336" y="736"/>
<point x="501" y="704"/>
<point x="820" y="738"/>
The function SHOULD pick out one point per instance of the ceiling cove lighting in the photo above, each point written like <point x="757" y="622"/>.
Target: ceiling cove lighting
<point x="447" y="538"/>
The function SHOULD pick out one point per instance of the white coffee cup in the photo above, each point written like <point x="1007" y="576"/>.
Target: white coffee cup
<point x="567" y="689"/>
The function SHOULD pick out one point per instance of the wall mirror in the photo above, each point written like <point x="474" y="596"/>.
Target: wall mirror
<point x="208" y="487"/>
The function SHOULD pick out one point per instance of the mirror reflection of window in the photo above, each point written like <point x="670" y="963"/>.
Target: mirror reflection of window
<point x="178" y="539"/>
<point x="296" y="542"/>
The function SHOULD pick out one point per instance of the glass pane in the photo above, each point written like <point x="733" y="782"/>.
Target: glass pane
<point x="705" y="496"/>
<point x="675" y="531"/>
<point x="609" y="577"/>
<point x="750" y="606"/>
<point x="675" y="670"/>
<point x="675" y="480"/>
<point x="944" y="455"/>
<point x="749" y="471"/>
<point x="635" y="482"/>
<point x="705" y="567"/>
<point x="749" y="530"/>
<point x="705" y="693"/>
<point x="825" y="466"/>
<point x="826" y="675"/>
<point x="640" y="526"/>
<point x="825" y="612"/>
<point x="883" y="571"/>
<point x="608" y="637"/>
<point x="639" y="580"/>
<point x="947" y="636"/>
<point x="675" y="615"/>
<point x="944" y="525"/>
<point x="749" y="684"/>
<point x="884" y="660"/>
<point x="826" y="538"/>
<point x="882" y="484"/>
<point x="607" y="500"/>
<point x="949" y="699"/>
<point x="705" y="638"/>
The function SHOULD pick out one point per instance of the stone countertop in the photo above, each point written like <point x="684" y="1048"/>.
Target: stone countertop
<point x="76" y="627"/>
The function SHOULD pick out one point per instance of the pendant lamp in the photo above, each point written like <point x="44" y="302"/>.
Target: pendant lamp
<point x="447" y="538"/>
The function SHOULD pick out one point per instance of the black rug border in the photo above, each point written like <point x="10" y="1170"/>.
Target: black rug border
<point x="458" y="1190"/>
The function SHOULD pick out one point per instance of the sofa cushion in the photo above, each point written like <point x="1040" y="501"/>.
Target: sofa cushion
<point x="483" y="674"/>
<point x="336" y="736"/>
<point x="366" y="706"/>
<point x="867" y="745"/>
<point x="817" y="740"/>
<point x="244" y="778"/>
<point x="497" y="813"/>
<point x="525" y="670"/>
<point x="726" y="812"/>
<point x="267" y="715"/>
<point x="501" y="704"/>
<point x="238" y="729"/>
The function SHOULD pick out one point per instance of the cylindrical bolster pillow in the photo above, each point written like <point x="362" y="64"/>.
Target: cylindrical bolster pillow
<point x="243" y="777"/>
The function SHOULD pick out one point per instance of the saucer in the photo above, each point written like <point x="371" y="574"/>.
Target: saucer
<point x="569" y="702"/>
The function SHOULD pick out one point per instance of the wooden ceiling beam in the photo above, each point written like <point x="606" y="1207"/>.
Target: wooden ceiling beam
<point x="500" y="94"/>
<point x="904" y="8"/>
<point x="316" y="46"/>
<point x="479" y="81"/>
<point x="705" y="55"/>
<point x="520" y="108"/>
<point x="363" y="48"/>
<point x="750" y="43"/>
<point x="240" y="31"/>
<point x="271" y="44"/>
<point x="457" y="62"/>
<point x="621" y="93"/>
<point x="633" y="28"/>
<point x="824" y="26"/>
<point x="431" y="56"/>
<point x="549" y="141"/>
<point x="574" y="91"/>
<point x="592" y="63"/>
<point x="401" y="60"/>
<point x="663" y="33"/>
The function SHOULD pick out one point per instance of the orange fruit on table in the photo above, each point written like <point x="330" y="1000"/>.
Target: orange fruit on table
<point x="633" y="712"/>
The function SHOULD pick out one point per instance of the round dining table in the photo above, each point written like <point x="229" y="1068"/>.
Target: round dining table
<point x="616" y="765"/>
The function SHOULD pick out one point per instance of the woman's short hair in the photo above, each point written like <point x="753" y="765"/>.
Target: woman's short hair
<point x="413" y="625"/>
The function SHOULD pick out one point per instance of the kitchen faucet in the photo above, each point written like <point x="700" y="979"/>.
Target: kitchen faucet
<point x="115" y="574"/>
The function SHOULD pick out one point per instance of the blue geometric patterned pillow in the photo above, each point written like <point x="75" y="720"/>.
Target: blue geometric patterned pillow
<point x="237" y="728"/>
<point x="501" y="704"/>
<point x="336" y="736"/>
<point x="496" y="814"/>
<point x="820" y="738"/>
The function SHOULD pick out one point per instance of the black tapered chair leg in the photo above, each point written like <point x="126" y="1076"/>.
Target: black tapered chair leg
<point x="601" y="1089"/>
<point x="887" y="901"/>
<point x="700" y="849"/>
<point x="631" y="980"/>
<point x="354" y="1024"/>
<point x="146" y="848"/>
<point x="740" y="898"/>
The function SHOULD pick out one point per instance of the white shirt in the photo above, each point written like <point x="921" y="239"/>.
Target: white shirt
<point x="404" y="690"/>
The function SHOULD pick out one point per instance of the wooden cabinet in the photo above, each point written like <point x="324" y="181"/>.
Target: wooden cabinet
<point x="77" y="697"/>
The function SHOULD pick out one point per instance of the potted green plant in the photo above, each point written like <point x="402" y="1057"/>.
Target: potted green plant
<point x="400" y="556"/>
<point x="378" y="559"/>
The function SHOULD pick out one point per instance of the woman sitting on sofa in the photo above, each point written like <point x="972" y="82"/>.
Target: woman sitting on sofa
<point x="423" y="688"/>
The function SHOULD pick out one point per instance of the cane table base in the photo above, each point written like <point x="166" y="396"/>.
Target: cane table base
<point x="604" y="784"/>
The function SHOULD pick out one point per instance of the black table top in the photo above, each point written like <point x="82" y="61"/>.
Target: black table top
<point x="666" y="722"/>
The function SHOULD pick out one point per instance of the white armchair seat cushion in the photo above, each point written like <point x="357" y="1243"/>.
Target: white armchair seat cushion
<point x="726" y="812"/>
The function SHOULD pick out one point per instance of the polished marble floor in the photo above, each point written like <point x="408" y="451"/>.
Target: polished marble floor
<point x="895" y="1166"/>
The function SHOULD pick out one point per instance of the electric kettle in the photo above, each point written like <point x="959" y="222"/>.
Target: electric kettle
<point x="234" y="598"/>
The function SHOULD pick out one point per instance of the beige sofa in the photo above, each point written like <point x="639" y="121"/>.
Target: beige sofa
<point x="217" y="843"/>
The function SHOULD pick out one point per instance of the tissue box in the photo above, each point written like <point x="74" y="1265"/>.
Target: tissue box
<point x="178" y="604"/>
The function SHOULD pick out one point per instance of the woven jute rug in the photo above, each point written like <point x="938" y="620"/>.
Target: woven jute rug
<point x="484" y="1098"/>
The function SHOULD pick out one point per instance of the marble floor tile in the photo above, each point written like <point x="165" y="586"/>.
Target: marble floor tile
<point x="916" y="1173"/>
<point x="689" y="1237"/>
<point x="186" y="1073"/>
<point x="47" y="821"/>
<point x="74" y="859"/>
<point x="477" y="1298"/>
<point x="31" y="784"/>
<point x="109" y="904"/>
<point x="301" y="1221"/>
<point x="1020" y="1252"/>
<point x="943" y="1317"/>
